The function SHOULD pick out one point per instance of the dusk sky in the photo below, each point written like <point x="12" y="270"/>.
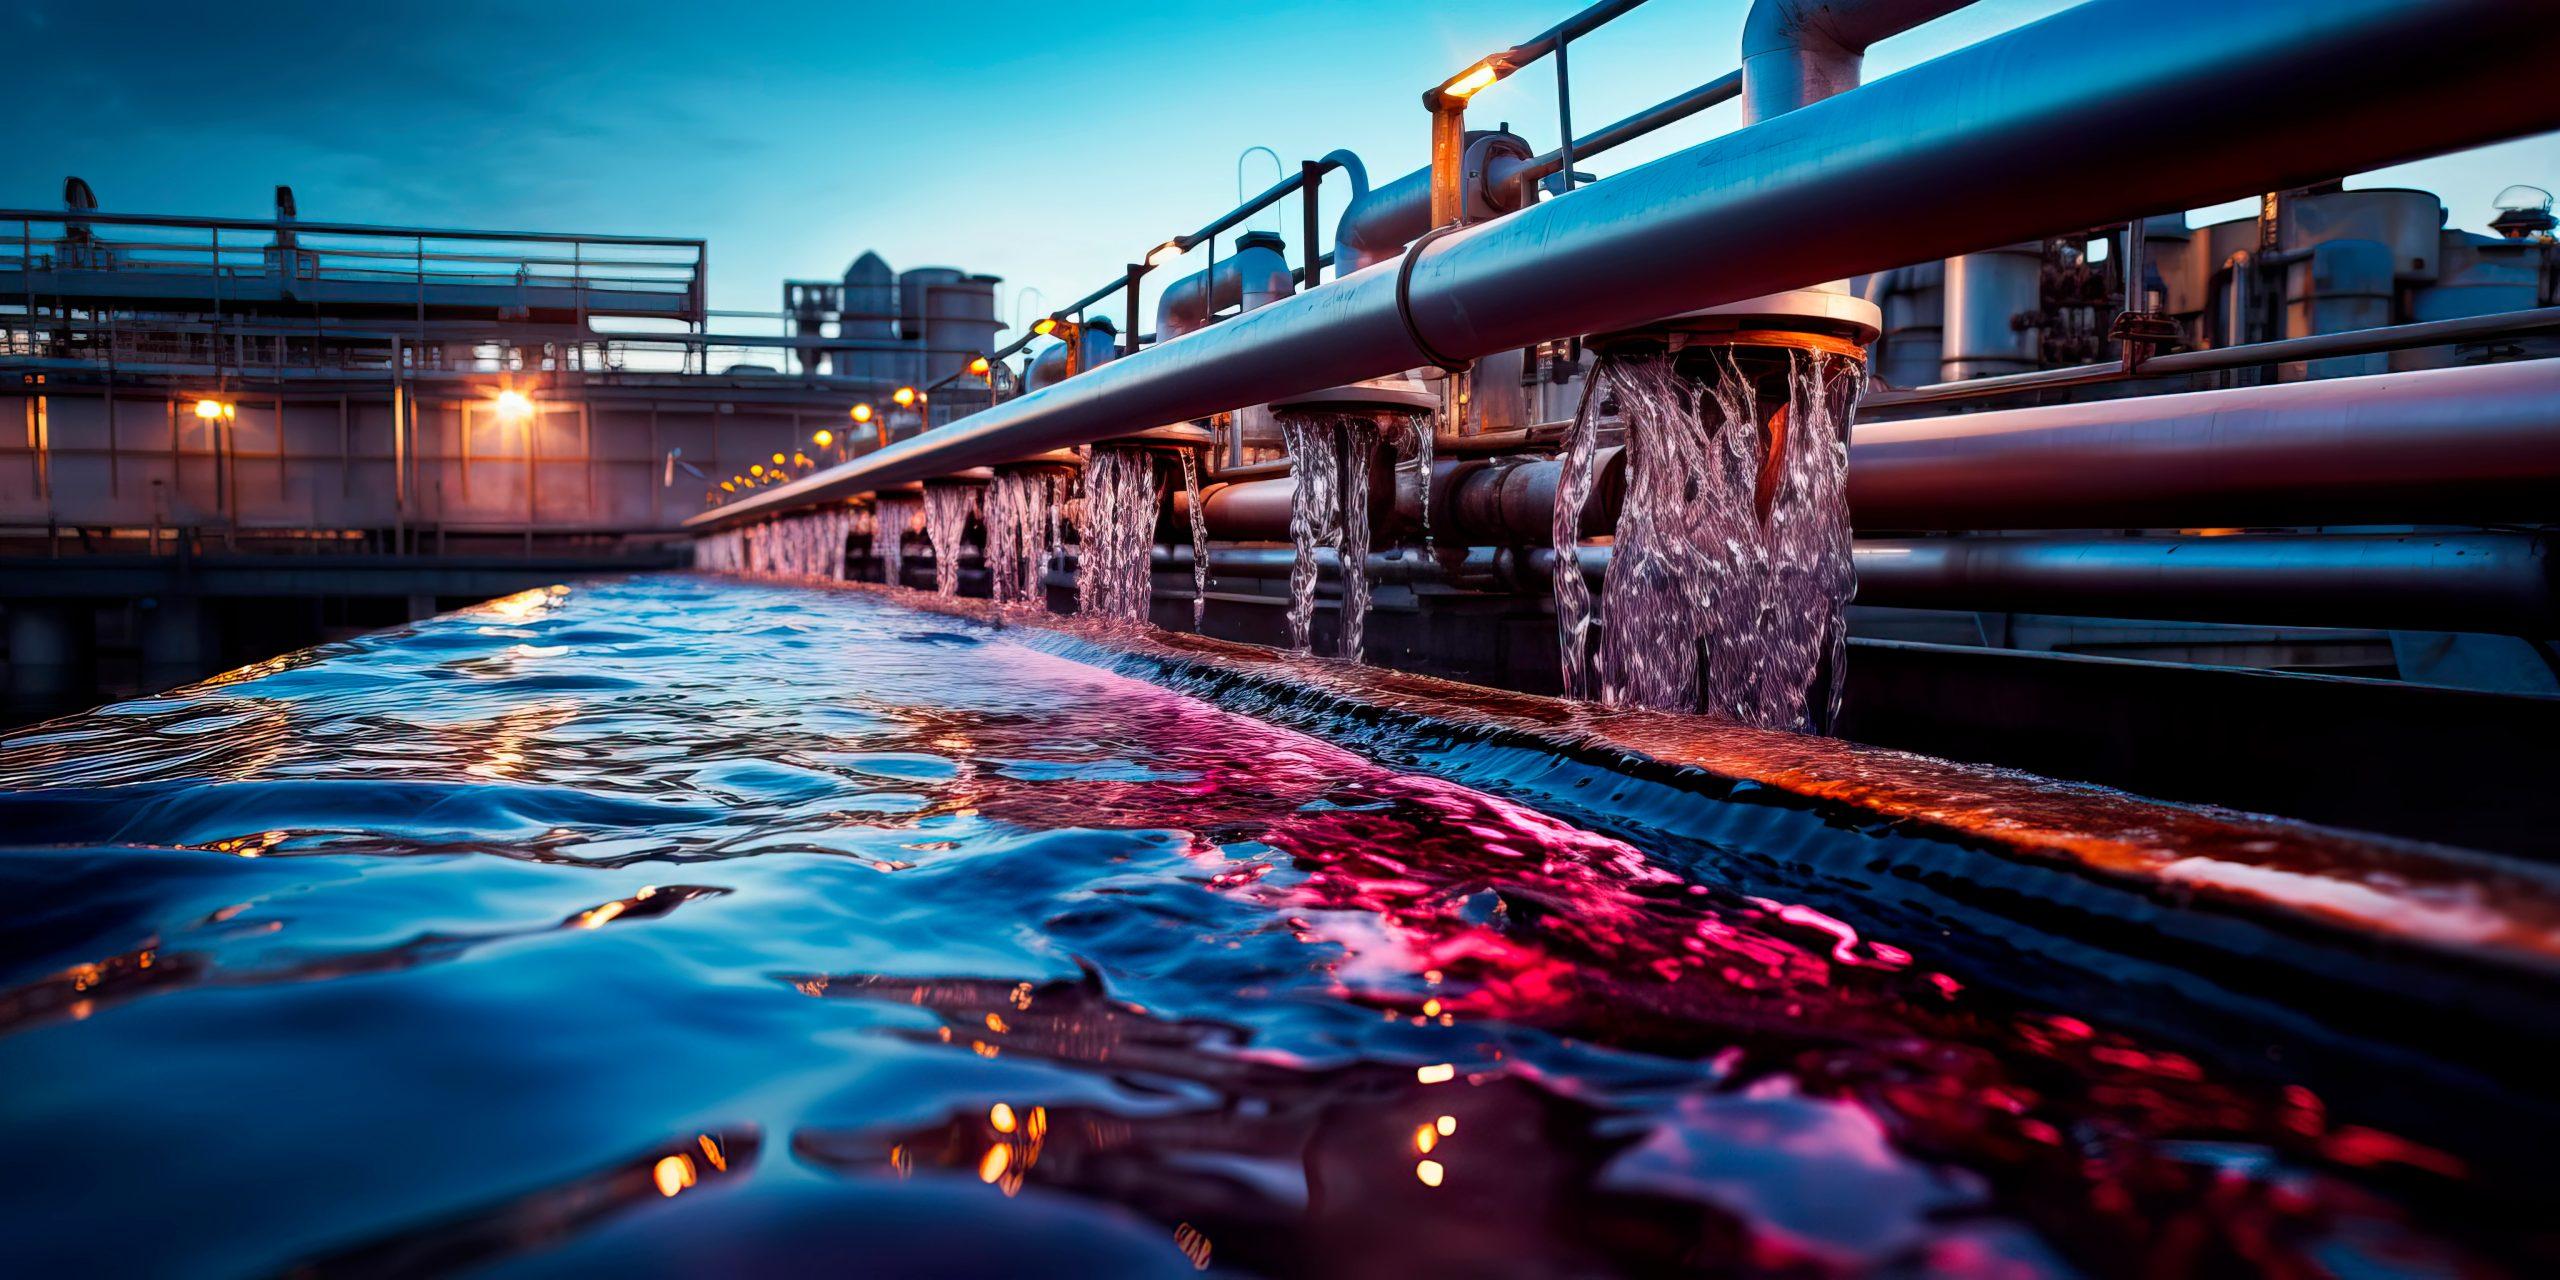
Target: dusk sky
<point x="1045" y="143"/>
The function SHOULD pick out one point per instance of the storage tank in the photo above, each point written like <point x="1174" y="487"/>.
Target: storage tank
<point x="2406" y="223"/>
<point x="870" y="314"/>
<point x="959" y="323"/>
<point x="914" y="285"/>
<point x="1992" y="301"/>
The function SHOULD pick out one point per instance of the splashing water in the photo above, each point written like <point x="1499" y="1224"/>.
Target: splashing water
<point x="1021" y="531"/>
<point x="1714" y="601"/>
<point x="947" y="508"/>
<point x="897" y="517"/>
<point x="1199" y="539"/>
<point x="806" y="545"/>
<point x="1115" y="532"/>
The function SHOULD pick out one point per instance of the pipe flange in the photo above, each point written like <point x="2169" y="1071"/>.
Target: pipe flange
<point x="1052" y="461"/>
<point x="1394" y="394"/>
<point x="1778" y="319"/>
<point x="1178" y="435"/>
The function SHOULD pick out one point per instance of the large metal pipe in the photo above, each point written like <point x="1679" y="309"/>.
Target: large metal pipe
<point x="1255" y="275"/>
<point x="2469" y="445"/>
<point x="2497" y="583"/>
<point x="1798" y="52"/>
<point x="2487" y="583"/>
<point x="2018" y="137"/>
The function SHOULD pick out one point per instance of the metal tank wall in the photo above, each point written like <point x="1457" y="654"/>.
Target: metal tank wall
<point x="959" y="323"/>
<point x="312" y="462"/>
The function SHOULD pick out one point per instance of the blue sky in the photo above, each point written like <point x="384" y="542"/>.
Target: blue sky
<point x="1046" y="143"/>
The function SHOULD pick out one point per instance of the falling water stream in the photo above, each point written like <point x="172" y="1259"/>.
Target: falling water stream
<point x="1115" y="532"/>
<point x="1022" y="532"/>
<point x="1729" y="578"/>
<point x="898" y="517"/>
<point x="1199" y="539"/>
<point x="1330" y="455"/>
<point x="806" y="545"/>
<point x="947" y="508"/>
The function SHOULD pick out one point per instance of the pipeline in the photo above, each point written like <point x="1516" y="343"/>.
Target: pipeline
<point x="2017" y="137"/>
<point x="2470" y="445"/>
<point x="2486" y="583"/>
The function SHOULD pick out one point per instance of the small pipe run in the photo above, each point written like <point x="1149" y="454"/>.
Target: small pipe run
<point x="2356" y="342"/>
<point x="1722" y="89"/>
<point x="2015" y="138"/>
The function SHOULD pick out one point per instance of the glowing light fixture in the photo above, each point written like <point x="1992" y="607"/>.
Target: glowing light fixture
<point x="1164" y="253"/>
<point x="1046" y="325"/>
<point x="1475" y="79"/>
<point x="824" y="437"/>
<point x="756" y="469"/>
<point x="209" y="410"/>
<point x="979" y="366"/>
<point x="778" y="459"/>
<point x="862" y="413"/>
<point x="514" y="406"/>
<point x="905" y="396"/>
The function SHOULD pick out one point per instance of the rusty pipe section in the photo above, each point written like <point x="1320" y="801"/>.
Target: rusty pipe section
<point x="1255" y="275"/>
<point x="2012" y="139"/>
<point x="1798" y="52"/>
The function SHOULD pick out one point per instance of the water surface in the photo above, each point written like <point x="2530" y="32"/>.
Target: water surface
<point x="679" y="925"/>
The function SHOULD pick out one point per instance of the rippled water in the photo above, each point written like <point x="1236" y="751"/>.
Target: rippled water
<point x="684" y="925"/>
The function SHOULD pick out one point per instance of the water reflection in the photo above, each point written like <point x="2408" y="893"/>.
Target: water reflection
<point x="565" y="901"/>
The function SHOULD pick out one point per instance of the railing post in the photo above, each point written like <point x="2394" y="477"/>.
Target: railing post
<point x="1310" y="178"/>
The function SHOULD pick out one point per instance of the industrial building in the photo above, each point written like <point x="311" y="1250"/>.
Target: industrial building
<point x="231" y="437"/>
